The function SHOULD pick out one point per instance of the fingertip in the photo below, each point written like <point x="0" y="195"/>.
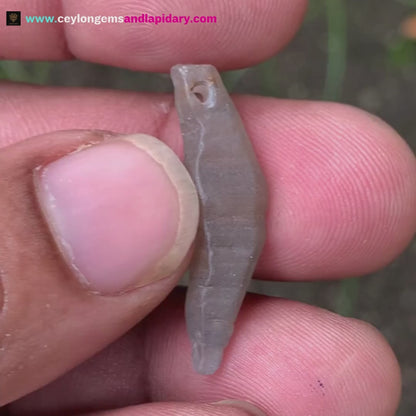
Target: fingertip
<point x="237" y="37"/>
<point x="290" y="358"/>
<point x="382" y="369"/>
<point x="342" y="185"/>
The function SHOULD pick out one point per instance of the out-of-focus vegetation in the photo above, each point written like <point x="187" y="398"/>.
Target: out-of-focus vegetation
<point x="33" y="72"/>
<point x="402" y="52"/>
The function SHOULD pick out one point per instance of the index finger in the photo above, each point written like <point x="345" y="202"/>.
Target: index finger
<point x="236" y="35"/>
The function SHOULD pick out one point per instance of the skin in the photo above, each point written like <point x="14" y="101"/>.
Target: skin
<point x="306" y="360"/>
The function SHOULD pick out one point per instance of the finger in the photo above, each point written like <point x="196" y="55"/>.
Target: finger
<point x="304" y="359"/>
<point x="93" y="238"/>
<point x="226" y="408"/>
<point x="240" y="37"/>
<point x="342" y="183"/>
<point x="285" y="357"/>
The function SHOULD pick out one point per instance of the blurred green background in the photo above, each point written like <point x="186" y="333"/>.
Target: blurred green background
<point x="354" y="52"/>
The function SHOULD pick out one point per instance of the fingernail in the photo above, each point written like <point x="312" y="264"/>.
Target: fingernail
<point x="123" y="212"/>
<point x="249" y="408"/>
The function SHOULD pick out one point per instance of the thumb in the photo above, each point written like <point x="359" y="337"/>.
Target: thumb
<point x="96" y="230"/>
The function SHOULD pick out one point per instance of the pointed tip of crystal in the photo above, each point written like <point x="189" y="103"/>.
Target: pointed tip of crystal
<point x="206" y="359"/>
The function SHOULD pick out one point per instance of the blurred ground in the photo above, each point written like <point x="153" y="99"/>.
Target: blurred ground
<point x="380" y="76"/>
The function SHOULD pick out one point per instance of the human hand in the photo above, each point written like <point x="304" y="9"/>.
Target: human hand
<point x="342" y="197"/>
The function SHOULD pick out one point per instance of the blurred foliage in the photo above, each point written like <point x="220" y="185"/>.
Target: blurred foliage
<point x="34" y="72"/>
<point x="13" y="71"/>
<point x="3" y="74"/>
<point x="409" y="3"/>
<point x="336" y="49"/>
<point x="232" y="78"/>
<point x="402" y="52"/>
<point x="347" y="297"/>
<point x="269" y="77"/>
<point x="316" y="9"/>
